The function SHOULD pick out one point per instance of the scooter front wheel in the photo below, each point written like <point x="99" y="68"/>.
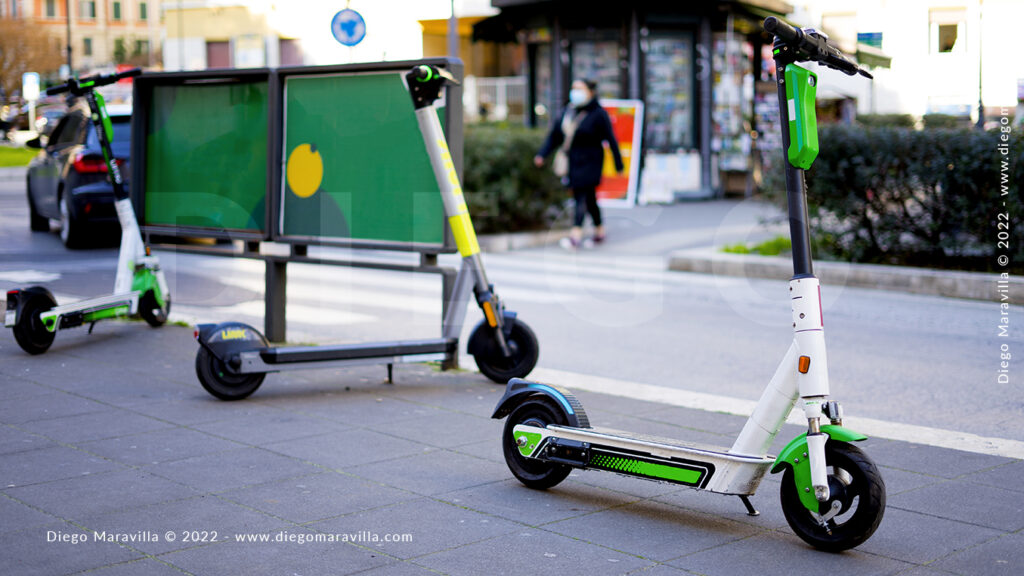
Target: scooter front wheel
<point x="151" y="312"/>
<point x="29" y="331"/>
<point x="525" y="351"/>
<point x="538" y="474"/>
<point x="855" y="483"/>
<point x="222" y="383"/>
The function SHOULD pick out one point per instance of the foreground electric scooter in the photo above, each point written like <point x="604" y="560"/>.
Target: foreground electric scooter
<point x="139" y="287"/>
<point x="234" y="358"/>
<point x="832" y="494"/>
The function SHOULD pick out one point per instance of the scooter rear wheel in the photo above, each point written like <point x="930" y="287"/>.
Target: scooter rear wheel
<point x="29" y="331"/>
<point x="538" y="474"/>
<point x="525" y="352"/>
<point x="222" y="383"/>
<point x="854" y="481"/>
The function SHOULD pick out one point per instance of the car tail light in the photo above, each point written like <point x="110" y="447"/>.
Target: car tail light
<point x="92" y="163"/>
<point x="89" y="164"/>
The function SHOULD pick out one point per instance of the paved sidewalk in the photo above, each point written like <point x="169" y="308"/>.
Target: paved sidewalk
<point x="111" y="435"/>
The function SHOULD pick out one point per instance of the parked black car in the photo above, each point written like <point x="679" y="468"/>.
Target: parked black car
<point x="67" y="180"/>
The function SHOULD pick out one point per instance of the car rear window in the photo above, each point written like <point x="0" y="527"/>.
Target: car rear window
<point x="122" y="136"/>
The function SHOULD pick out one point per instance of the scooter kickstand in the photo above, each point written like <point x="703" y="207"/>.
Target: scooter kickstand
<point x="751" y="511"/>
<point x="91" y="326"/>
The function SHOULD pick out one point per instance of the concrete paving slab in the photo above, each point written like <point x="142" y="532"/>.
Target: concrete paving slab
<point x="976" y="504"/>
<point x="222" y="471"/>
<point x="16" y="516"/>
<point x="30" y="552"/>
<point x="759" y="554"/>
<point x="432" y="525"/>
<point x="932" y="539"/>
<point x="653" y="530"/>
<point x="1001" y="556"/>
<point x="46" y="407"/>
<point x="511" y="500"/>
<point x="83" y="428"/>
<point x="932" y="461"/>
<point x="48" y="464"/>
<point x="274" y="558"/>
<point x="99" y="493"/>
<point x="166" y="445"/>
<point x="531" y="551"/>
<point x="161" y="528"/>
<point x="317" y="497"/>
<point x="14" y="440"/>
<point x="1007" y="476"/>
<point x="437" y="472"/>
<point x="341" y="450"/>
<point x="268" y="428"/>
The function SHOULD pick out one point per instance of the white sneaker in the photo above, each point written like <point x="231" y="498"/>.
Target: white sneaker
<point x="570" y="244"/>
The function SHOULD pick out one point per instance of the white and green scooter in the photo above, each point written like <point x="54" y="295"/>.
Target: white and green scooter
<point x="832" y="494"/>
<point x="139" y="288"/>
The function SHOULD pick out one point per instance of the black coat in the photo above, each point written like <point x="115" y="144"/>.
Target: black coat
<point x="586" y="154"/>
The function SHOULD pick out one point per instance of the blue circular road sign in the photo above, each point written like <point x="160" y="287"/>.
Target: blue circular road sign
<point x="348" y="27"/>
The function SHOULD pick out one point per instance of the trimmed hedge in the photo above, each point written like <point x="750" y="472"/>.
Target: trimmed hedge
<point x="925" y="198"/>
<point x="505" y="192"/>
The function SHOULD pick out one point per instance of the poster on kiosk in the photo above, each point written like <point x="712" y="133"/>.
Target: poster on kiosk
<point x="619" y="190"/>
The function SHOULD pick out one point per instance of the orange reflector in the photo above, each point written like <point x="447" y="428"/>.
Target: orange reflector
<point x="148" y="253"/>
<point x="805" y="364"/>
<point x="489" y="313"/>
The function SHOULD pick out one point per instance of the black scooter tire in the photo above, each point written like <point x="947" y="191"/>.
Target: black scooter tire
<point x="29" y="331"/>
<point x="525" y="352"/>
<point x="854" y="480"/>
<point x="221" y="383"/>
<point x="537" y="474"/>
<point x="151" y="312"/>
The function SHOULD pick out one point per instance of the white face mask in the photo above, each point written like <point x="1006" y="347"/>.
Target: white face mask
<point x="577" y="97"/>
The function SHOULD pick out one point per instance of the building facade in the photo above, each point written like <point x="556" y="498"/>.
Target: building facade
<point x="103" y="33"/>
<point x="703" y="71"/>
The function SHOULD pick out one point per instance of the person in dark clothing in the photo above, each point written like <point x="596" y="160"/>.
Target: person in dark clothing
<point x="580" y="133"/>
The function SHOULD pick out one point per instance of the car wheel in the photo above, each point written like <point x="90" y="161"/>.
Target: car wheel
<point x="72" y="232"/>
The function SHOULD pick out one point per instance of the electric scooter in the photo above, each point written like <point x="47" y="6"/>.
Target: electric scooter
<point x="140" y="289"/>
<point x="234" y="358"/>
<point x="832" y="494"/>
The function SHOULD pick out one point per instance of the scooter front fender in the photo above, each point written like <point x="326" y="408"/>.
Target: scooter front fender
<point x="794" y="456"/>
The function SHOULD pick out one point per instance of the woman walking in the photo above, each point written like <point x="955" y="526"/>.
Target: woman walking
<point x="577" y="140"/>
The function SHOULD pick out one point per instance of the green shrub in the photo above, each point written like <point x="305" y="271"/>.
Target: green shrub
<point x="893" y="120"/>
<point x="945" y="122"/>
<point x="505" y="192"/>
<point x="927" y="198"/>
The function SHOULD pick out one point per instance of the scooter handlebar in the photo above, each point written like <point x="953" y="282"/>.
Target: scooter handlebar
<point x="813" y="46"/>
<point x="80" y="86"/>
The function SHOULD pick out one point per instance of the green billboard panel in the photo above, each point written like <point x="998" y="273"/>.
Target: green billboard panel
<point x="355" y="168"/>
<point x="206" y="156"/>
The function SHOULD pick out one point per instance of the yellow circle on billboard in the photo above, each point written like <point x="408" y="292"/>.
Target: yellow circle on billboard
<point x="305" y="170"/>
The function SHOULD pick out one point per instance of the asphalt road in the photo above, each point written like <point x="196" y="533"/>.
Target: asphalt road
<point x="613" y="312"/>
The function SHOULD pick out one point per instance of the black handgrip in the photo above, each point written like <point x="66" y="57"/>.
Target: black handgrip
<point x="783" y="31"/>
<point x="57" y="90"/>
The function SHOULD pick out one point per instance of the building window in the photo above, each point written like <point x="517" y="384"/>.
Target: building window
<point x="598" y="60"/>
<point x="115" y="11"/>
<point x="120" y="50"/>
<point x="948" y="28"/>
<point x="143" y="11"/>
<point x="141" y="48"/>
<point x="51" y="8"/>
<point x="87" y="9"/>
<point x="87" y="46"/>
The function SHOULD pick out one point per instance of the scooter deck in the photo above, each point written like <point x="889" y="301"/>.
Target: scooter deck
<point x="305" y="357"/>
<point x="288" y="354"/>
<point x="652" y="457"/>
